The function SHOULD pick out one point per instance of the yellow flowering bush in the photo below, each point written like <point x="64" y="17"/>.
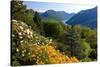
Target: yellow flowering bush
<point x="46" y="54"/>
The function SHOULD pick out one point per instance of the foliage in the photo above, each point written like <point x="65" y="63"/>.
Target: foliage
<point x="91" y="37"/>
<point x="18" y="10"/>
<point x="22" y="39"/>
<point x="79" y="46"/>
<point x="39" y="24"/>
<point x="86" y="59"/>
<point x="55" y="15"/>
<point x="73" y="38"/>
<point x="82" y="50"/>
<point x="93" y="54"/>
<point x="52" y="28"/>
<point x="46" y="54"/>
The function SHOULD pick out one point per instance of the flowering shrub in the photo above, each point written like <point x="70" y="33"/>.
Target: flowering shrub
<point x="22" y="36"/>
<point x="22" y="29"/>
<point x="46" y="54"/>
<point x="22" y="39"/>
<point x="40" y="40"/>
<point x="25" y="32"/>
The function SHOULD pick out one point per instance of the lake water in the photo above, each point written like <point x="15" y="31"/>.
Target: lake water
<point x="64" y="21"/>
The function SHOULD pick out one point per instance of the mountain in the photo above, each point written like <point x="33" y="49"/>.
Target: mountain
<point x="85" y="18"/>
<point x="56" y="15"/>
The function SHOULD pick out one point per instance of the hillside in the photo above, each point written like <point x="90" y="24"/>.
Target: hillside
<point x="56" y="15"/>
<point x="85" y="18"/>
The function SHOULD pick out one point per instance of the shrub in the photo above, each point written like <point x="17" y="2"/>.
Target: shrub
<point x="21" y="37"/>
<point x="86" y="59"/>
<point x="46" y="54"/>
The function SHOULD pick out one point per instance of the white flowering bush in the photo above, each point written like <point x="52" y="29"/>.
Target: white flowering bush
<point x="23" y="37"/>
<point x="40" y="40"/>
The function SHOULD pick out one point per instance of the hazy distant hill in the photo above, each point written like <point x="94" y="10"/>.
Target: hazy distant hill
<point x="85" y="18"/>
<point x="56" y="15"/>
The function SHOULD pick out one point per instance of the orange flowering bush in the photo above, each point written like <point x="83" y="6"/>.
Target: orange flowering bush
<point x="46" y="54"/>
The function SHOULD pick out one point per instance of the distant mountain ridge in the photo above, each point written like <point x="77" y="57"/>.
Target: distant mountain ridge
<point x="56" y="15"/>
<point x="85" y="18"/>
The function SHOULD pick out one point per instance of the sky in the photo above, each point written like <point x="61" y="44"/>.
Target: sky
<point x="67" y="7"/>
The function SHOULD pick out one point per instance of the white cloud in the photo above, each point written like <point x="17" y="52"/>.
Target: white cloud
<point x="40" y="10"/>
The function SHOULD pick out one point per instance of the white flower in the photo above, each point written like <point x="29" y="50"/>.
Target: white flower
<point x="22" y="54"/>
<point x="36" y="37"/>
<point x="20" y="37"/>
<point x="21" y="27"/>
<point x="27" y="31"/>
<point x="17" y="50"/>
<point x="46" y="40"/>
<point x="21" y="44"/>
<point x="23" y="33"/>
<point x="29" y="53"/>
<point x="14" y="21"/>
<point x="38" y="43"/>
<point x="22" y="23"/>
<point x="50" y="40"/>
<point x="23" y="51"/>
<point x="31" y="33"/>
<point x="28" y="36"/>
<point x="21" y="41"/>
<point x="13" y="35"/>
<point x="19" y="33"/>
<point x="35" y="44"/>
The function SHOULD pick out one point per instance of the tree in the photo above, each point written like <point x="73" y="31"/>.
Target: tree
<point x="78" y="46"/>
<point x="72" y="38"/>
<point x="52" y="29"/>
<point x="21" y="13"/>
<point x="18" y="10"/>
<point x="82" y="50"/>
<point x="92" y="39"/>
<point x="38" y="22"/>
<point x="90" y="35"/>
<point x="37" y="19"/>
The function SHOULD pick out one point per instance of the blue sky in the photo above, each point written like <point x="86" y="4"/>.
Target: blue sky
<point x="44" y="6"/>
